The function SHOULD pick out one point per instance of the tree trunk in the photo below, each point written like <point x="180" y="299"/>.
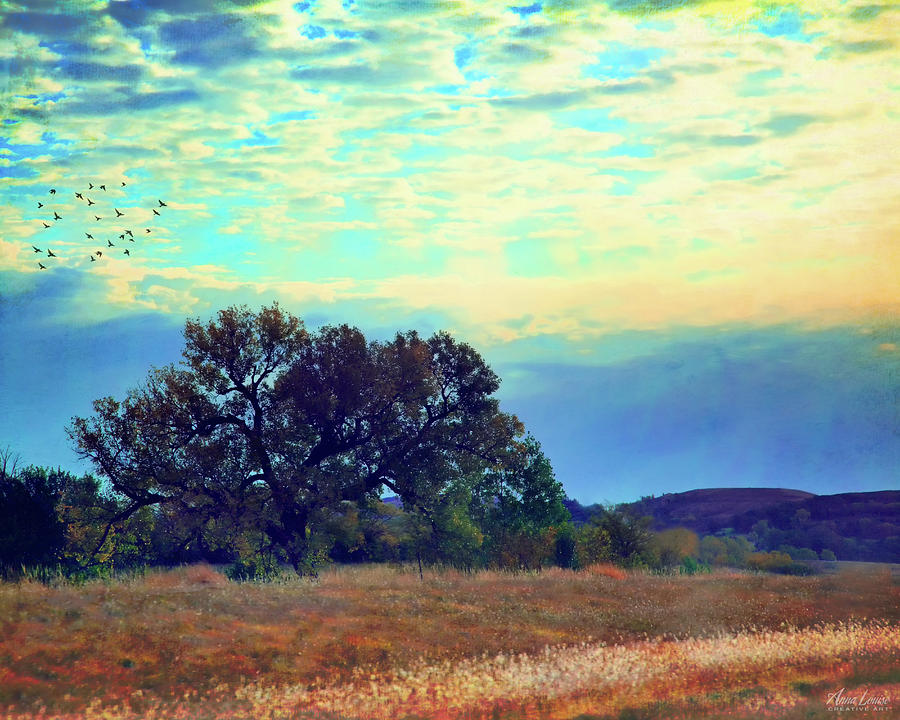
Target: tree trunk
<point x="291" y="536"/>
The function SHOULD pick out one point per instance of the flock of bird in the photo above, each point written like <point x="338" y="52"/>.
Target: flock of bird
<point x="124" y="236"/>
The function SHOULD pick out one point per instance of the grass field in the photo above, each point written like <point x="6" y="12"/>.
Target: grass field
<point x="376" y="642"/>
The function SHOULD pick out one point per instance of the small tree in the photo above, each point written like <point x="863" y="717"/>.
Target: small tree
<point x="713" y="551"/>
<point x="519" y="508"/>
<point x="592" y="544"/>
<point x="672" y="546"/>
<point x="629" y="536"/>
<point x="31" y="534"/>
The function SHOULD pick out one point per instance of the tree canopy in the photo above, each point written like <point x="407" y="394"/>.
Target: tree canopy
<point x="268" y="426"/>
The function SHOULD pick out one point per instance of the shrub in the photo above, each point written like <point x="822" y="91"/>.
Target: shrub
<point x="565" y="546"/>
<point x="605" y="570"/>
<point x="31" y="533"/>
<point x="256" y="567"/>
<point x="689" y="566"/>
<point x="674" y="546"/>
<point x="778" y="562"/>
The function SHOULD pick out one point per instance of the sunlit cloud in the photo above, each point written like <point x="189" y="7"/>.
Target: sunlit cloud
<point x="495" y="161"/>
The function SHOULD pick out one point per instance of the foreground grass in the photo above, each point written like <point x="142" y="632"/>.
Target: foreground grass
<point x="376" y="642"/>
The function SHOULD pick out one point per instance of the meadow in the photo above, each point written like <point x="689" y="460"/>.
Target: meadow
<point x="378" y="642"/>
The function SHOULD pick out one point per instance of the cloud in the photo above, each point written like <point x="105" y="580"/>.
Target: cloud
<point x="788" y="124"/>
<point x="429" y="139"/>
<point x="212" y="40"/>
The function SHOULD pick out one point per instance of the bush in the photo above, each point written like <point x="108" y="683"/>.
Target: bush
<point x="778" y="562"/>
<point x="256" y="567"/>
<point x="672" y="547"/>
<point x="689" y="566"/>
<point x="565" y="551"/>
<point x="31" y="534"/>
<point x="605" y="570"/>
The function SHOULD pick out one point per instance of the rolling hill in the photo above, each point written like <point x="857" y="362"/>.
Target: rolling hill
<point x="855" y="526"/>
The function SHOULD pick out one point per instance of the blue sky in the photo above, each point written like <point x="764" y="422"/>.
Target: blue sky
<point x="669" y="226"/>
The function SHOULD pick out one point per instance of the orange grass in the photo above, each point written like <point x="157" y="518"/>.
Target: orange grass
<point x="187" y="643"/>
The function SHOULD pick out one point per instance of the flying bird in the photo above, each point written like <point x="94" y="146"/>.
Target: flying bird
<point x="128" y="232"/>
<point x="37" y="249"/>
<point x="50" y="253"/>
<point x="123" y="184"/>
<point x="99" y="254"/>
<point x="90" y="186"/>
<point x="118" y="214"/>
<point x="89" y="236"/>
<point x="52" y="191"/>
<point x="46" y="225"/>
<point x="126" y="251"/>
<point x="40" y="205"/>
<point x="148" y="230"/>
<point x="109" y="243"/>
<point x="154" y="211"/>
<point x="103" y="188"/>
<point x="79" y="196"/>
<point x="162" y="204"/>
<point x="93" y="259"/>
<point x="41" y="267"/>
<point x="98" y="218"/>
<point x="90" y="202"/>
<point x="56" y="216"/>
<point x="122" y="236"/>
<point x="130" y="239"/>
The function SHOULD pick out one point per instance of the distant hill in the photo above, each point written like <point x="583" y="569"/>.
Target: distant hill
<point x="855" y="526"/>
<point x="714" y="509"/>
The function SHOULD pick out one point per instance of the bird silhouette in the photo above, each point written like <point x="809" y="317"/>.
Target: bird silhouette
<point x="103" y="188"/>
<point x="148" y="230"/>
<point x="122" y="236"/>
<point x="52" y="191"/>
<point x="118" y="214"/>
<point x="79" y="196"/>
<point x="37" y="249"/>
<point x="98" y="218"/>
<point x="162" y="204"/>
<point x="90" y="186"/>
<point x="41" y="267"/>
<point x="45" y="225"/>
<point x="154" y="211"/>
<point x="128" y="232"/>
<point x="109" y="243"/>
<point x="50" y="253"/>
<point x="89" y="236"/>
<point x="123" y="184"/>
<point x="126" y="251"/>
<point x="90" y="202"/>
<point x="130" y="239"/>
<point x="93" y="259"/>
<point x="99" y="254"/>
<point x="40" y="205"/>
<point x="56" y="216"/>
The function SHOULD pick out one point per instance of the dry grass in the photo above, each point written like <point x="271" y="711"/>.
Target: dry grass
<point x="188" y="643"/>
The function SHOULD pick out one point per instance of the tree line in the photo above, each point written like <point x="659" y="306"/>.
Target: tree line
<point x="272" y="445"/>
<point x="53" y="522"/>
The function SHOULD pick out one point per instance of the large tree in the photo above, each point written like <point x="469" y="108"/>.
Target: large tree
<point x="267" y="426"/>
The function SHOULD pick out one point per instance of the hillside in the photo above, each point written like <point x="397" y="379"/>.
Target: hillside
<point x="711" y="510"/>
<point x="855" y="526"/>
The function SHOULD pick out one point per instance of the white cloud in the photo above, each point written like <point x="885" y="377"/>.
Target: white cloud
<point x="775" y="151"/>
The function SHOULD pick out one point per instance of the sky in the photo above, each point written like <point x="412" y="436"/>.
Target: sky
<point x="670" y="226"/>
